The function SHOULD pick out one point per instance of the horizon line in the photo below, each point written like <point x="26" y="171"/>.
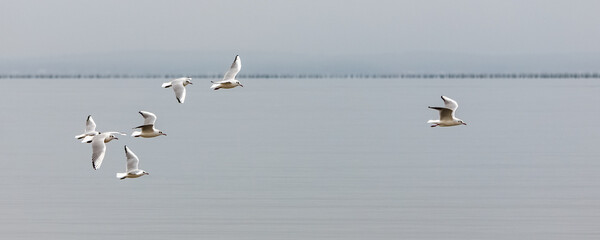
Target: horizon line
<point x="524" y="75"/>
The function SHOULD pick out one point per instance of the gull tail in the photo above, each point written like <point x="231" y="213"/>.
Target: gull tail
<point x="136" y="134"/>
<point x="167" y="85"/>
<point x="433" y="121"/>
<point x="121" y="175"/>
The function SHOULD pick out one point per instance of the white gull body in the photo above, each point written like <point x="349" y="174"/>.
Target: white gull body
<point x="447" y="118"/>
<point x="178" y="87"/>
<point x="147" y="129"/>
<point x="229" y="80"/>
<point x="99" y="147"/>
<point x="132" y="170"/>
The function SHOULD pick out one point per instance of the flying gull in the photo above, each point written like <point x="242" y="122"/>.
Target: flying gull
<point x="447" y="118"/>
<point x="147" y="129"/>
<point x="99" y="147"/>
<point x="132" y="170"/>
<point x="178" y="87"/>
<point x="229" y="80"/>
<point x="90" y="131"/>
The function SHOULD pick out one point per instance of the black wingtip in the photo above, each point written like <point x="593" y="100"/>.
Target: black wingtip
<point x="178" y="100"/>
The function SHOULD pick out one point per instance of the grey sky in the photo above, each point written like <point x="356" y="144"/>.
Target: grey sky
<point x="63" y="27"/>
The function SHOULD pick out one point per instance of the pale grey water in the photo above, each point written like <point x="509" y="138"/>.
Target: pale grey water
<point x="304" y="159"/>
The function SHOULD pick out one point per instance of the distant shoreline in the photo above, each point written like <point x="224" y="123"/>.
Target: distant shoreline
<point x="296" y="76"/>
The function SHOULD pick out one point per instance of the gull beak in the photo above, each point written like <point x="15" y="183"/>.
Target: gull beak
<point x="241" y="85"/>
<point x="147" y="173"/>
<point x="464" y="123"/>
<point x="164" y="134"/>
<point x="116" y="138"/>
<point x="190" y="83"/>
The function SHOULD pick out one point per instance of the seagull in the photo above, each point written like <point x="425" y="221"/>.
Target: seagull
<point x="148" y="129"/>
<point x="447" y="118"/>
<point x="90" y="130"/>
<point x="99" y="147"/>
<point x="132" y="170"/>
<point x="229" y="80"/>
<point x="178" y="87"/>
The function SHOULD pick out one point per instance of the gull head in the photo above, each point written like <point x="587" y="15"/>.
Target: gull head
<point x="110" y="138"/>
<point x="161" y="133"/>
<point x="187" y="81"/>
<point x="461" y="122"/>
<point x="238" y="83"/>
<point x="145" y="173"/>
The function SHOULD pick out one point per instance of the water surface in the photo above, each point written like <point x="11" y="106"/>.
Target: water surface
<point x="304" y="159"/>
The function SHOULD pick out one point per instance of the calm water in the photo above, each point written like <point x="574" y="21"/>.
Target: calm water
<point x="304" y="159"/>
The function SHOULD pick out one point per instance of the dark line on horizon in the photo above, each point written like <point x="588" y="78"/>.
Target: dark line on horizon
<point x="315" y="75"/>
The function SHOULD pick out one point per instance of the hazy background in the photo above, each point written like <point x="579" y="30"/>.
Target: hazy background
<point x="302" y="158"/>
<point x="298" y="36"/>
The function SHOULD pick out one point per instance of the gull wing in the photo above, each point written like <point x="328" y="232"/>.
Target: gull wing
<point x="149" y="118"/>
<point x="132" y="160"/>
<point x="111" y="133"/>
<point x="98" y="150"/>
<point x="167" y="84"/>
<point x="224" y="82"/>
<point x="172" y="82"/>
<point x="445" y="113"/>
<point x="147" y="128"/>
<point x="90" y="125"/>
<point x="236" y="66"/>
<point x="450" y="103"/>
<point x="179" y="90"/>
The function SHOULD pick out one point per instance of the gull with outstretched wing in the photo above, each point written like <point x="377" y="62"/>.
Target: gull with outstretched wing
<point x="132" y="170"/>
<point x="229" y="80"/>
<point x="147" y="129"/>
<point x="447" y="117"/>
<point x="178" y="87"/>
<point x="99" y="147"/>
